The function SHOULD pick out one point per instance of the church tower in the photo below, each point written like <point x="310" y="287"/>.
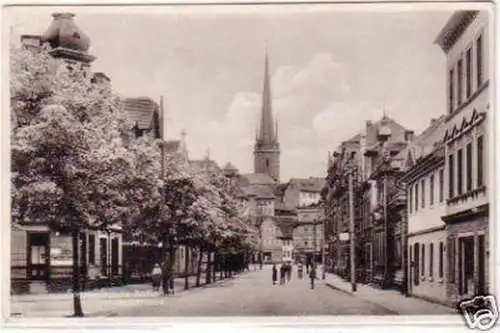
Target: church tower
<point x="267" y="149"/>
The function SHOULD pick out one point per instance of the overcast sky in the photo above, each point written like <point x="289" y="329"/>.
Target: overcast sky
<point x="331" y="71"/>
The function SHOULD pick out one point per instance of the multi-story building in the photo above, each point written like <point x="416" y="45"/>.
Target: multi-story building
<point x="42" y="256"/>
<point x="424" y="180"/>
<point x="465" y="40"/>
<point x="308" y="232"/>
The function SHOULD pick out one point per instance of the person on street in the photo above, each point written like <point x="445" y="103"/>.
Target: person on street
<point x="165" y="278"/>
<point x="300" y="270"/>
<point x="275" y="274"/>
<point x="282" y="274"/>
<point x="312" y="276"/>
<point x="288" y="272"/>
<point x="156" y="277"/>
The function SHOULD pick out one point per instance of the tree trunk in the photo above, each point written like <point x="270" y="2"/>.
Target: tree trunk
<point x="187" y="255"/>
<point x="216" y="264"/>
<point x="198" y="269"/>
<point x="222" y="266"/>
<point x="208" y="276"/>
<point x="77" y="303"/>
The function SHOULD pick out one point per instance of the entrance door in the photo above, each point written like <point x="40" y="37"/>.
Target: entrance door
<point x="38" y="256"/>
<point x="416" y="264"/>
<point x="114" y="257"/>
<point x="466" y="258"/>
<point x="481" y="287"/>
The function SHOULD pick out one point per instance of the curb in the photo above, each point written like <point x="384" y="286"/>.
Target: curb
<point x="391" y="312"/>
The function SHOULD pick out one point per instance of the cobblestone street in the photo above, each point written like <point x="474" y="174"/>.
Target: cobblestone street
<point x="252" y="294"/>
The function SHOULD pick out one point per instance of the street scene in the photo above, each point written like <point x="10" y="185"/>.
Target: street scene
<point x="164" y="165"/>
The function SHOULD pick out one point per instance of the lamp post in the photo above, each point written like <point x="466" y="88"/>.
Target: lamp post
<point x="323" y="276"/>
<point x="352" y="231"/>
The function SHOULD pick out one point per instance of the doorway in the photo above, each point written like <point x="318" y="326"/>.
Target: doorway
<point x="38" y="256"/>
<point x="466" y="264"/>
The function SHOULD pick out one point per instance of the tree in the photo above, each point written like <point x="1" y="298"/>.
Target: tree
<point x="74" y="161"/>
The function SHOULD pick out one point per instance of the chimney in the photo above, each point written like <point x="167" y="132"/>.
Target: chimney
<point x="368" y="123"/>
<point x="433" y="121"/>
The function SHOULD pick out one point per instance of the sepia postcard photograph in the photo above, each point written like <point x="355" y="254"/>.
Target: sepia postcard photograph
<point x="294" y="160"/>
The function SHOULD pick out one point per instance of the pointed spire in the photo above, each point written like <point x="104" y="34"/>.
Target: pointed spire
<point x="266" y="134"/>
<point x="276" y="129"/>
<point x="183" y="141"/>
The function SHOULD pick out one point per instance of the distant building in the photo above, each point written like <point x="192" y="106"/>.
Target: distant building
<point x="144" y="113"/>
<point x="267" y="147"/>
<point x="465" y="41"/>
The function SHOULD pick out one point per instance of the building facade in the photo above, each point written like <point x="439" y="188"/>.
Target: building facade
<point x="42" y="256"/>
<point x="424" y="179"/>
<point x="465" y="40"/>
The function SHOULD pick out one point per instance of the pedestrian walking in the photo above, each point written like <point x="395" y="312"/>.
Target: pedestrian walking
<point x="156" y="277"/>
<point x="282" y="274"/>
<point x="300" y="270"/>
<point x="275" y="274"/>
<point x="165" y="278"/>
<point x="312" y="276"/>
<point x="288" y="272"/>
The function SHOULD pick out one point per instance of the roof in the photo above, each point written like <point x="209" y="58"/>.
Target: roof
<point x="204" y="165"/>
<point x="141" y="111"/>
<point x="311" y="184"/>
<point x="454" y="27"/>
<point x="426" y="142"/>
<point x="281" y="206"/>
<point x="172" y="146"/>
<point x="259" y="191"/>
<point x="257" y="179"/>
<point x="286" y="229"/>
<point x="229" y="167"/>
<point x="63" y="32"/>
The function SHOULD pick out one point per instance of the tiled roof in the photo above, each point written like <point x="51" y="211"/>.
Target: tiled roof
<point x="312" y="184"/>
<point x="257" y="179"/>
<point x="204" y="165"/>
<point x="141" y="111"/>
<point x="259" y="191"/>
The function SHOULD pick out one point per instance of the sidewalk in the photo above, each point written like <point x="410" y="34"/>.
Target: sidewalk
<point x="392" y="300"/>
<point x="102" y="302"/>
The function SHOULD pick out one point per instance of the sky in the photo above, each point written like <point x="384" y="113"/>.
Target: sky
<point x="332" y="68"/>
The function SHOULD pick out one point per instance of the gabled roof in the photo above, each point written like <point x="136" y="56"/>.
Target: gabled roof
<point x="141" y="111"/>
<point x="311" y="184"/>
<point x="204" y="165"/>
<point x="259" y="191"/>
<point x="426" y="142"/>
<point x="256" y="179"/>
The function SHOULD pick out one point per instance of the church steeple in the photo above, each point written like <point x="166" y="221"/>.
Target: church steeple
<point x="266" y="133"/>
<point x="267" y="148"/>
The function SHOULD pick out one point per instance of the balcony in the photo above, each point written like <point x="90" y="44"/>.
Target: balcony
<point x="467" y="200"/>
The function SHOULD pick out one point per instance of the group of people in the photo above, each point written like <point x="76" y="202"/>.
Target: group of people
<point x="163" y="276"/>
<point x="286" y="273"/>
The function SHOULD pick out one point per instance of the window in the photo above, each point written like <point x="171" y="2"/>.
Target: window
<point x="459" y="171"/>
<point x="468" y="167"/>
<point x="423" y="193"/>
<point x="468" y="71"/>
<point x="410" y="199"/>
<point x="416" y="196"/>
<point x="459" y="82"/>
<point x="91" y="249"/>
<point x="431" y="190"/>
<point x="479" y="60"/>
<point x="441" y="259"/>
<point x="451" y="97"/>
<point x="431" y="259"/>
<point x="416" y="264"/>
<point x="480" y="177"/>
<point x="423" y="260"/>
<point x="451" y="171"/>
<point x="441" y="185"/>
